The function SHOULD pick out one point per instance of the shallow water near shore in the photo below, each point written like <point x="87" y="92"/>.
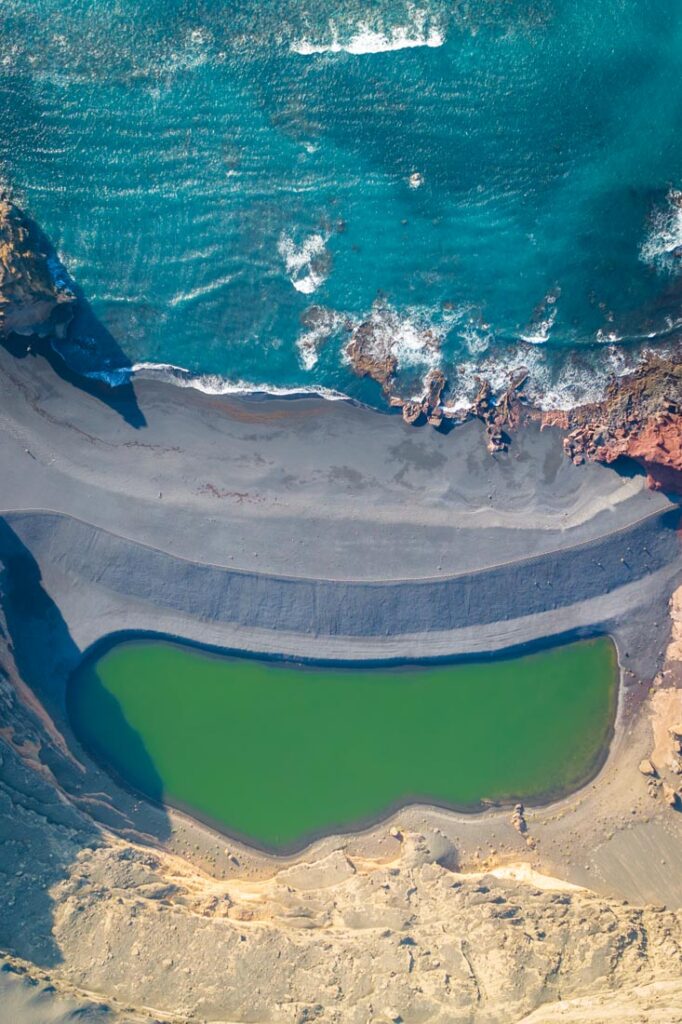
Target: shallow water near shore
<point x="278" y="753"/>
<point x="235" y="186"/>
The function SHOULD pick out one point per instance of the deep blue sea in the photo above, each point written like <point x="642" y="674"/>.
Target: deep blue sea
<point x="499" y="176"/>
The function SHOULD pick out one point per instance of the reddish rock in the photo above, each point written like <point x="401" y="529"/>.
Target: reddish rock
<point x="499" y="414"/>
<point x="412" y="411"/>
<point x="640" y="417"/>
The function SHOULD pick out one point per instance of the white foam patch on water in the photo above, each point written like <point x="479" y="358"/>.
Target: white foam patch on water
<point x="321" y="326"/>
<point x="114" y="378"/>
<point x="477" y="337"/>
<point x="541" y="331"/>
<point x="307" y="265"/>
<point x="580" y="379"/>
<point x="413" y="336"/>
<point x="213" y="384"/>
<point x="367" y="39"/>
<point x="542" y="322"/>
<point x="662" y="248"/>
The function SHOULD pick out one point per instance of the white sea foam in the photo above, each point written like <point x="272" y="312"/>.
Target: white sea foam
<point x="367" y="39"/>
<point x="540" y="328"/>
<point x="307" y="264"/>
<point x="477" y="336"/>
<point x="662" y="248"/>
<point x="581" y="378"/>
<point x="180" y="298"/>
<point x="321" y="325"/>
<point x="541" y="331"/>
<point x="412" y="336"/>
<point x="213" y="384"/>
<point x="114" y="378"/>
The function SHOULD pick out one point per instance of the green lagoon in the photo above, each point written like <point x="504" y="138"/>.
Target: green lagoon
<point x="278" y="753"/>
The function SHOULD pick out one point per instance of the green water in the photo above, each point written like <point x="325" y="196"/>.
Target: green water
<point x="278" y="753"/>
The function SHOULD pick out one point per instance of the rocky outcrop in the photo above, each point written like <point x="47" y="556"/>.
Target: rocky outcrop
<point x="429" y="408"/>
<point x="35" y="298"/>
<point x="370" y="354"/>
<point x="640" y="417"/>
<point x="499" y="414"/>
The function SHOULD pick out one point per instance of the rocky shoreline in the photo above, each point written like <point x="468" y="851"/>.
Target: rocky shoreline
<point x="639" y="417"/>
<point x="35" y="297"/>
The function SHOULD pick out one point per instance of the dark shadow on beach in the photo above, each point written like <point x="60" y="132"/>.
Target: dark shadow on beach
<point x="668" y="481"/>
<point x="56" y="806"/>
<point x="87" y="356"/>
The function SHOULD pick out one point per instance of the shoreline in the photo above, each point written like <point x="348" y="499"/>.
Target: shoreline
<point x="353" y="467"/>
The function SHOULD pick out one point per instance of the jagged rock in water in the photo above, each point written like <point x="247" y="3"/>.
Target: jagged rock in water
<point x="370" y="354"/>
<point x="33" y="299"/>
<point x="499" y="414"/>
<point x="429" y="407"/>
<point x="412" y="411"/>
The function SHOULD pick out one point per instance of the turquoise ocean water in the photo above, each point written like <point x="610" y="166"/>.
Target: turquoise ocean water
<point x="235" y="185"/>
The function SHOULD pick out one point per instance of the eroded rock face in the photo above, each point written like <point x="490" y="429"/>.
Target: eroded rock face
<point x="428" y="409"/>
<point x="379" y="342"/>
<point x="34" y="296"/>
<point x="370" y="354"/>
<point x="499" y="414"/>
<point x="640" y="416"/>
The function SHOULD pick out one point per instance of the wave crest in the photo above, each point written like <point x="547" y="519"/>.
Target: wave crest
<point x="662" y="247"/>
<point x="366" y="39"/>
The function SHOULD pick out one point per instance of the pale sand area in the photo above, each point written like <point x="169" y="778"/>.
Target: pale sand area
<point x="323" y="530"/>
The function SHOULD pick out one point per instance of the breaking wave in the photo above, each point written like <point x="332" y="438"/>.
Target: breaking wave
<point x="213" y="384"/>
<point x="366" y="39"/>
<point x="321" y="325"/>
<point x="308" y="264"/>
<point x="662" y="247"/>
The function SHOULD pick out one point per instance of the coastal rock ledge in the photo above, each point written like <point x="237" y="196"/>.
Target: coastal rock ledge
<point x="640" y="417"/>
<point x="35" y="297"/>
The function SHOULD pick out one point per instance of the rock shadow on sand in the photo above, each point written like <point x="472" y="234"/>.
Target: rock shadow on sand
<point x="79" y="348"/>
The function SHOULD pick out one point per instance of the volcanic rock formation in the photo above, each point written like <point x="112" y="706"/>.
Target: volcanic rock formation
<point x="640" y="417"/>
<point x="35" y="298"/>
